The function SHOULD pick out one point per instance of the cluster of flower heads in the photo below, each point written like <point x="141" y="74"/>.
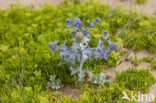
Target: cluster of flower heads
<point x="79" y="51"/>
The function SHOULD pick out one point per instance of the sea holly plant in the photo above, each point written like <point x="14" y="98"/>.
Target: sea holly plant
<point x="80" y="52"/>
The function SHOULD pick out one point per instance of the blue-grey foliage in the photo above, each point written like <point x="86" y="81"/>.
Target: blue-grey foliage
<point x="100" y="78"/>
<point x="53" y="82"/>
<point x="79" y="51"/>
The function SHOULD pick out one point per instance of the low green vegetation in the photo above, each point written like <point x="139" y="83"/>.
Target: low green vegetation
<point x="26" y="95"/>
<point x="138" y="1"/>
<point x="109" y="94"/>
<point x="135" y="79"/>
<point x="26" y="62"/>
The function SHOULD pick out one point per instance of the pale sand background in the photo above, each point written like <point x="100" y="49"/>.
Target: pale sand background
<point x="149" y="7"/>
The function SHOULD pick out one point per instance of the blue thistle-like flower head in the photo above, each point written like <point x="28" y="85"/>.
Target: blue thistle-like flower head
<point x="68" y="21"/>
<point x="76" y="24"/>
<point x="105" y="32"/>
<point x="113" y="46"/>
<point x="76" y="21"/>
<point x="91" y="25"/>
<point x="97" y="20"/>
<point x="52" y="45"/>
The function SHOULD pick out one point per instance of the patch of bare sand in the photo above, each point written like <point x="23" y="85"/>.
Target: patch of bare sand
<point x="4" y="4"/>
<point x="127" y="64"/>
<point x="153" y="90"/>
<point x="144" y="53"/>
<point x="147" y="8"/>
<point x="144" y="65"/>
<point x="71" y="91"/>
<point x="153" y="87"/>
<point x="154" y="72"/>
<point x="124" y="66"/>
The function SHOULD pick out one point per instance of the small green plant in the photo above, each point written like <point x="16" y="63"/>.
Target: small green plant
<point x="148" y="59"/>
<point x="153" y="64"/>
<point x="136" y="61"/>
<point x="57" y="93"/>
<point x="135" y="79"/>
<point x="130" y="58"/>
<point x="54" y="83"/>
<point x="140" y="1"/>
<point x="113" y="59"/>
<point x="151" y="61"/>
<point x="100" y="78"/>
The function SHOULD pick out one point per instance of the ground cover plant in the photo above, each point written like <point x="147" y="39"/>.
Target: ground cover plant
<point x="134" y="79"/>
<point x="26" y="62"/>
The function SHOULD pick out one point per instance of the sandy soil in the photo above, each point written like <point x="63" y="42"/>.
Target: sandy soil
<point x="69" y="90"/>
<point x="148" y="8"/>
<point x="4" y="4"/>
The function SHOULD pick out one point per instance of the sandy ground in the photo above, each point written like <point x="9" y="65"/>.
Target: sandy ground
<point x="127" y="64"/>
<point x="69" y="90"/>
<point x="147" y="8"/>
<point x="4" y="4"/>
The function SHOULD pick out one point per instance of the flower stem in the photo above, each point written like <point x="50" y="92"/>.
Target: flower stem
<point x="81" y="60"/>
